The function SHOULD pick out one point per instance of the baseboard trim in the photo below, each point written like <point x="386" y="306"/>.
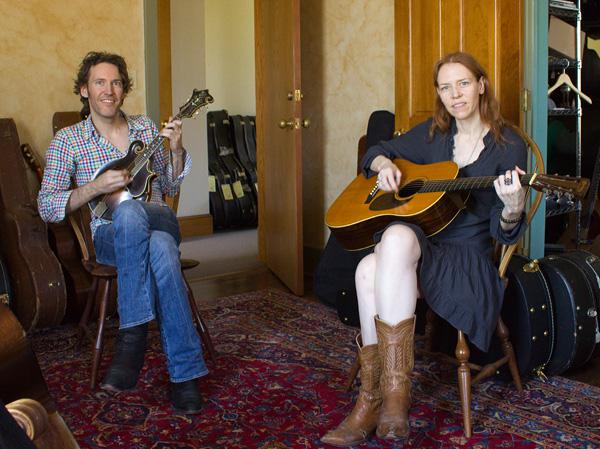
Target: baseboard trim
<point x="195" y="225"/>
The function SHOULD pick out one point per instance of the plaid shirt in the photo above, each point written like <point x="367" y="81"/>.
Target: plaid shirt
<point x="77" y="152"/>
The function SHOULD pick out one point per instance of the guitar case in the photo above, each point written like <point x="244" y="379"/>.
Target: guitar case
<point x="590" y="264"/>
<point x="229" y="161"/>
<point x="250" y="137"/>
<point x="334" y="280"/>
<point x="527" y="311"/>
<point x="574" y="313"/>
<point x="223" y="205"/>
<point x="238" y="125"/>
<point x="36" y="277"/>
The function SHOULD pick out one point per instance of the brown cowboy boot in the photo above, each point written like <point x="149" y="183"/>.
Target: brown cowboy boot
<point x="361" y="422"/>
<point x="397" y="361"/>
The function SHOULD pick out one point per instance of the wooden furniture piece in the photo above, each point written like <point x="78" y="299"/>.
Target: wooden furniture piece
<point x="103" y="276"/>
<point x="462" y="352"/>
<point x="23" y="389"/>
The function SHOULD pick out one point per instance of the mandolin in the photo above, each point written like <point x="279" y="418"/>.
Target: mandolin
<point x="138" y="162"/>
<point x="430" y="196"/>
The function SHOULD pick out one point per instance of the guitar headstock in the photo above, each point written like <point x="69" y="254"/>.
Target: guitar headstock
<point x="198" y="99"/>
<point x="573" y="187"/>
<point x="32" y="160"/>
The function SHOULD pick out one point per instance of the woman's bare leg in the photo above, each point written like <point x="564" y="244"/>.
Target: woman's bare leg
<point x="396" y="287"/>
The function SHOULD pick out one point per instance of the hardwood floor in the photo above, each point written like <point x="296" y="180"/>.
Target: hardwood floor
<point x="208" y="290"/>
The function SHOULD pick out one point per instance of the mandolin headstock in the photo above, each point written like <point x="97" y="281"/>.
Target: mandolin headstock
<point x="198" y="99"/>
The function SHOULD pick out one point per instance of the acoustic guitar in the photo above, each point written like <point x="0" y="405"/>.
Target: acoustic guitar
<point x="137" y="161"/>
<point x="430" y="196"/>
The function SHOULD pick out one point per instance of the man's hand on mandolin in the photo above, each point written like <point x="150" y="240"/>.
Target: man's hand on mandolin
<point x="172" y="131"/>
<point x="111" y="181"/>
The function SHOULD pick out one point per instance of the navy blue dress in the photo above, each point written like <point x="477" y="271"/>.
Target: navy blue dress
<point x="457" y="275"/>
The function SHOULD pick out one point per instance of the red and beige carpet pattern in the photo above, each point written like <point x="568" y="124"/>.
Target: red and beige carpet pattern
<point x="277" y="384"/>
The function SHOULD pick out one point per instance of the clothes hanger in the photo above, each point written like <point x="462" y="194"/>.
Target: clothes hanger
<point x="564" y="79"/>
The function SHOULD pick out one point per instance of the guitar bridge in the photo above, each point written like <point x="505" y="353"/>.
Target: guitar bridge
<point x="372" y="194"/>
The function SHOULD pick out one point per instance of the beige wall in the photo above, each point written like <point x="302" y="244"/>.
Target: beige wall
<point x="42" y="45"/>
<point x="347" y="73"/>
<point x="188" y="72"/>
<point x="347" y="53"/>
<point x="230" y="55"/>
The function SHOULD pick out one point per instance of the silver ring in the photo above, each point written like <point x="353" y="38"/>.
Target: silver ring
<point x="507" y="181"/>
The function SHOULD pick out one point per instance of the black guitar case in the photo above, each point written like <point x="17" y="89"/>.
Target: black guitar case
<point x="528" y="313"/>
<point x="223" y="205"/>
<point x="574" y="313"/>
<point x="250" y="136"/>
<point x="334" y="280"/>
<point x="238" y="125"/>
<point x="590" y="264"/>
<point x="240" y="180"/>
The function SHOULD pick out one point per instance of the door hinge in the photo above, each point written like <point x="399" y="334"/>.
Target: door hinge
<point x="525" y="100"/>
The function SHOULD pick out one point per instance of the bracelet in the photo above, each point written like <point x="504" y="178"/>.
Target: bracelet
<point x="509" y="221"/>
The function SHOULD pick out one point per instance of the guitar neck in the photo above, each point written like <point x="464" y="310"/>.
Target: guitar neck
<point x="144" y="156"/>
<point x="461" y="184"/>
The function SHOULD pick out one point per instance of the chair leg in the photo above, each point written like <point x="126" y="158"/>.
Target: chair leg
<point x="464" y="381"/>
<point x="507" y="348"/>
<point x="202" y="329"/>
<point x="100" y="335"/>
<point x="82" y="328"/>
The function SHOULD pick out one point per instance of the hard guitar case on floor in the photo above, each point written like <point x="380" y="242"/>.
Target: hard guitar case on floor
<point x="334" y="280"/>
<point x="574" y="313"/>
<point x="528" y="313"/>
<point x="238" y="126"/>
<point x="240" y="179"/>
<point x="590" y="264"/>
<point x="224" y="207"/>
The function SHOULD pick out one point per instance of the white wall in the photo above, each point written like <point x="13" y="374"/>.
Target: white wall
<point x="188" y="72"/>
<point x="229" y="29"/>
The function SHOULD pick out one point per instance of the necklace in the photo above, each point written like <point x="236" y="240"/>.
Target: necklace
<point x="467" y="160"/>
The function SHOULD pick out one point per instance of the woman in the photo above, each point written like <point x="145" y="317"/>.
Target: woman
<point x="452" y="270"/>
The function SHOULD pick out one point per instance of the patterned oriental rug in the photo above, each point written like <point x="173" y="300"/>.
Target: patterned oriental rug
<point x="277" y="384"/>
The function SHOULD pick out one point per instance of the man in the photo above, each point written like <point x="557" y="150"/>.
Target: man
<point x="143" y="237"/>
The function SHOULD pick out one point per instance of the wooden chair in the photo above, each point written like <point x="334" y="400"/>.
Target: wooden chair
<point x="462" y="352"/>
<point x="103" y="276"/>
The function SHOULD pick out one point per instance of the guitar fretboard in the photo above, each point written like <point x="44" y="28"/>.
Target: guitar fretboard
<point x="142" y="158"/>
<point x="458" y="184"/>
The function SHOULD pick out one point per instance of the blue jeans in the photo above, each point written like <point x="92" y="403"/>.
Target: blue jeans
<point x="143" y="243"/>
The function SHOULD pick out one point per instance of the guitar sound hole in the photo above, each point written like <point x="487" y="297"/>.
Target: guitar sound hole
<point x="390" y="200"/>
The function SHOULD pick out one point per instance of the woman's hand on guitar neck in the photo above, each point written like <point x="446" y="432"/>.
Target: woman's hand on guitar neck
<point x="388" y="174"/>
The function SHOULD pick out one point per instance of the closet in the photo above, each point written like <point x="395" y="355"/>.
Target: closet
<point x="566" y="218"/>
